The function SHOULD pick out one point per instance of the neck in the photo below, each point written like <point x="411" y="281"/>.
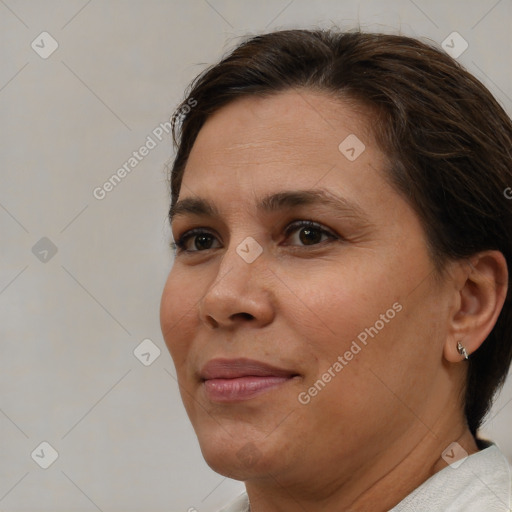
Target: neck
<point x="378" y="485"/>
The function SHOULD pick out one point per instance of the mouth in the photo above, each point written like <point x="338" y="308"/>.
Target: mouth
<point x="234" y="380"/>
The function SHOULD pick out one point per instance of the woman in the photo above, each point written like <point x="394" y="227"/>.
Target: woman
<point x="337" y="310"/>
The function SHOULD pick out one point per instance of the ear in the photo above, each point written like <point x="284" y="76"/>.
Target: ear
<point x="482" y="283"/>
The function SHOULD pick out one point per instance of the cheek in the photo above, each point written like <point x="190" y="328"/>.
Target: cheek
<point x="360" y="312"/>
<point x="338" y="302"/>
<point x="177" y="311"/>
<point x="398" y="337"/>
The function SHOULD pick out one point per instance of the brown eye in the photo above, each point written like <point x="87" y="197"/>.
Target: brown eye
<point x="309" y="233"/>
<point x="196" y="240"/>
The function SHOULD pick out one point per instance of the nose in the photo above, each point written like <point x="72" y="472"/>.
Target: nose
<point x="239" y="294"/>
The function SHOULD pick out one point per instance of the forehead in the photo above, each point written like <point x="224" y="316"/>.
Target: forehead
<point x="284" y="137"/>
<point x="310" y="120"/>
<point x="258" y="146"/>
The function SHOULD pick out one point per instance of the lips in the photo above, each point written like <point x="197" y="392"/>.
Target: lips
<point x="234" y="368"/>
<point x="232" y="380"/>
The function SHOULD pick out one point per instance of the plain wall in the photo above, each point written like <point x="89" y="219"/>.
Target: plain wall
<point x="69" y="324"/>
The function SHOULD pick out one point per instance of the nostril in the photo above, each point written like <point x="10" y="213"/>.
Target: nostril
<point x="212" y="321"/>
<point x="245" y="316"/>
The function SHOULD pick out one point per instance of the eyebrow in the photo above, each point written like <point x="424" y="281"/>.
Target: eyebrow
<point x="279" y="201"/>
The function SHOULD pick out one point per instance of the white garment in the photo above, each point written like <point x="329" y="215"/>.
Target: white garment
<point x="482" y="483"/>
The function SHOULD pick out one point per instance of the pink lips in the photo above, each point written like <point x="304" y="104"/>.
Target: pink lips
<point x="233" y="380"/>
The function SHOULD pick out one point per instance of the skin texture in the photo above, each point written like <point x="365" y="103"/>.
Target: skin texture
<point x="377" y="430"/>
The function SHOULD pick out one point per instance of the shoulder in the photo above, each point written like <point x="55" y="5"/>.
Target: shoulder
<point x="240" y="504"/>
<point x="482" y="481"/>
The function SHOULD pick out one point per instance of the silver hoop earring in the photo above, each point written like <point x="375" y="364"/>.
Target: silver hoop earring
<point x="462" y="350"/>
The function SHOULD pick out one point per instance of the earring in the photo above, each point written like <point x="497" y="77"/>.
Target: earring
<point x="462" y="350"/>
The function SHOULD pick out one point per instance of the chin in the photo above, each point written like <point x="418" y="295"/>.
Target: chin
<point x="235" y="457"/>
<point x="238" y="464"/>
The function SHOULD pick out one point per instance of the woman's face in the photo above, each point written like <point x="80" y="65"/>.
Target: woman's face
<point x="301" y="350"/>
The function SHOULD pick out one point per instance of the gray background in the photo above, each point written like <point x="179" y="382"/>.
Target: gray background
<point x="70" y="322"/>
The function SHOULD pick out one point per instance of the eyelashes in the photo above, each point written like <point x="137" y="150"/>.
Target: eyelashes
<point x="307" y="227"/>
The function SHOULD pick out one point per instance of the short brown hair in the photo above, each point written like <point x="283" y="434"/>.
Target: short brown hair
<point x="448" y="140"/>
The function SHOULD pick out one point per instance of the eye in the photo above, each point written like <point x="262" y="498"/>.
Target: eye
<point x="202" y="241"/>
<point x="309" y="233"/>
